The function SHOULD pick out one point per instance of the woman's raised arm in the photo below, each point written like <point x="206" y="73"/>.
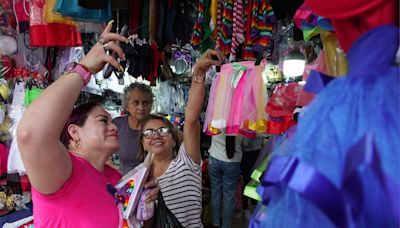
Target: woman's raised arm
<point x="191" y="129"/>
<point x="45" y="158"/>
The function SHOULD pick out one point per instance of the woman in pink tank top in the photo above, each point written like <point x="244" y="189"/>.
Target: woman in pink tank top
<point x="65" y="149"/>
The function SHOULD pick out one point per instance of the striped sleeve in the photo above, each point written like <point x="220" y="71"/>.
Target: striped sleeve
<point x="181" y="189"/>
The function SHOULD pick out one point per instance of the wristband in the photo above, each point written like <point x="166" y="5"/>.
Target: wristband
<point x="82" y="71"/>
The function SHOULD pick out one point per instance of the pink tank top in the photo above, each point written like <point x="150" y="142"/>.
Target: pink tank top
<point x="83" y="201"/>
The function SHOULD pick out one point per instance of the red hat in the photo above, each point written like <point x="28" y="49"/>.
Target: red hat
<point x="352" y="18"/>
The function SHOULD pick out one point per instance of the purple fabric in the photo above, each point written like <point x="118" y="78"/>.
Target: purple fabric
<point x="307" y="181"/>
<point x="145" y="211"/>
<point x="316" y="82"/>
<point x="360" y="157"/>
<point x="315" y="187"/>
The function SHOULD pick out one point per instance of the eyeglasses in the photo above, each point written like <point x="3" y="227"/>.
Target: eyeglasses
<point x="150" y="133"/>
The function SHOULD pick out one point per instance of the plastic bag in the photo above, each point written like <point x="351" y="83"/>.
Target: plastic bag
<point x="164" y="217"/>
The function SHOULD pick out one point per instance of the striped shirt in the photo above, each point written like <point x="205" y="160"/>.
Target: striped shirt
<point x="181" y="189"/>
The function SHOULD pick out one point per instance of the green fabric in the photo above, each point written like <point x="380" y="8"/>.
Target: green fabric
<point x="309" y="33"/>
<point x="237" y="74"/>
<point x="206" y="41"/>
<point x="251" y="188"/>
<point x="31" y="95"/>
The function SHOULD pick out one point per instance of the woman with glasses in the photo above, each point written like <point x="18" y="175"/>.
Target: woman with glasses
<point x="176" y="167"/>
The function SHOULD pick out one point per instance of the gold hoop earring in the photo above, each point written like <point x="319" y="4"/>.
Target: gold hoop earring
<point x="77" y="143"/>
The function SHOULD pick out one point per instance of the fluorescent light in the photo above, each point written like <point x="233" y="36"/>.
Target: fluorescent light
<point x="294" y="64"/>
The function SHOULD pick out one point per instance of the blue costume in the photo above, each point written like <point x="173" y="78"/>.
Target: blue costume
<point x="365" y="102"/>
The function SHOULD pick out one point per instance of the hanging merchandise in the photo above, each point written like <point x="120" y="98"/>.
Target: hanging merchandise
<point x="7" y="19"/>
<point x="335" y="59"/>
<point x="260" y="20"/>
<point x="31" y="94"/>
<point x="8" y="45"/>
<point x="16" y="110"/>
<point x="21" y="9"/>
<point x="65" y="57"/>
<point x="280" y="107"/>
<point x="42" y="33"/>
<point x="310" y="23"/>
<point x="238" y="26"/>
<point x="170" y="97"/>
<point x="72" y="9"/>
<point x="274" y="74"/>
<point x="338" y="129"/>
<point x="182" y="59"/>
<point x="5" y="122"/>
<point x="224" y="38"/>
<point x="6" y="67"/>
<point x="313" y="25"/>
<point x="201" y="30"/>
<point x="237" y="100"/>
<point x="51" y="17"/>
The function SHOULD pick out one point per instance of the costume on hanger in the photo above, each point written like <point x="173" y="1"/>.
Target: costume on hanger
<point x="342" y="114"/>
<point x="237" y="101"/>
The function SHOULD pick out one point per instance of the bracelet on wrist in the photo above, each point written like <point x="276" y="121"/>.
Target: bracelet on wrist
<point x="200" y="79"/>
<point x="82" y="71"/>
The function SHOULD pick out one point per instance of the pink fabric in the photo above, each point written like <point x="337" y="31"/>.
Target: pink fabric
<point x="83" y="201"/>
<point x="283" y="100"/>
<point x="304" y="14"/>
<point x="222" y="103"/>
<point x="3" y="158"/>
<point x="255" y="96"/>
<point x="240" y="109"/>
<point x="22" y="9"/>
<point x="210" y="106"/>
<point x="235" y="119"/>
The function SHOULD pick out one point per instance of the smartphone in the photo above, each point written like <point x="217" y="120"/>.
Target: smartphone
<point x="109" y="67"/>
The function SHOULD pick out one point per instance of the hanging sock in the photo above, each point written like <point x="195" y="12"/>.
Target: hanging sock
<point x="238" y="24"/>
<point x="198" y="28"/>
<point x="259" y="28"/>
<point x="224" y="39"/>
